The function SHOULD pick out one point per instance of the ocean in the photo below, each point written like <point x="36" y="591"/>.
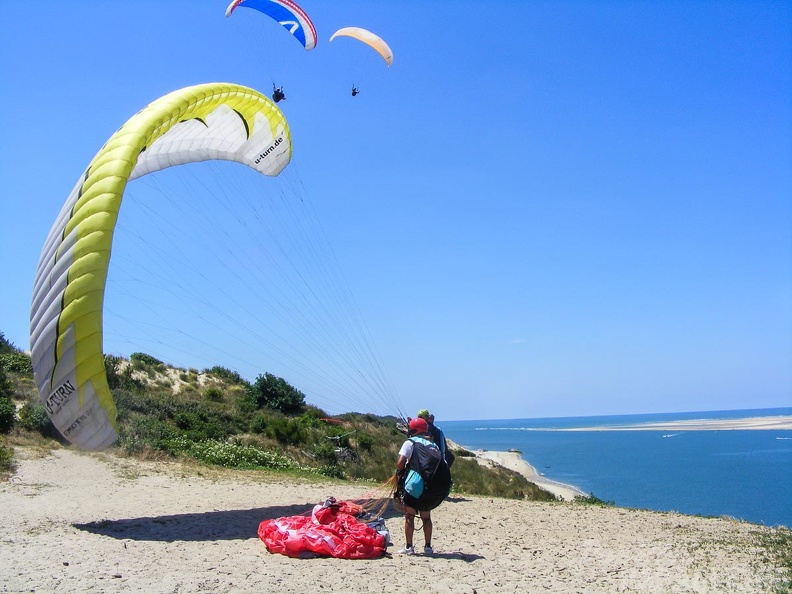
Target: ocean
<point x="744" y="474"/>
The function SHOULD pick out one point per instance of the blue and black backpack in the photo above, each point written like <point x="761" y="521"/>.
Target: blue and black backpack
<point x="428" y="480"/>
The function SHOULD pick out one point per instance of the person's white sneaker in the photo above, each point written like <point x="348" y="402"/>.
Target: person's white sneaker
<point x="406" y="551"/>
<point x="428" y="550"/>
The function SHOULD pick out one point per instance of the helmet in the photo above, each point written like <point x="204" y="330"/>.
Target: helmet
<point x="418" y="426"/>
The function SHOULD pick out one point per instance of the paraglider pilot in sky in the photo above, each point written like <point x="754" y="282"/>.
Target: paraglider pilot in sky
<point x="277" y="93"/>
<point x="355" y="90"/>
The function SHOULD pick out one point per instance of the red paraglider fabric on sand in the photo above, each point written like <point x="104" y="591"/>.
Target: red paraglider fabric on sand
<point x="330" y="531"/>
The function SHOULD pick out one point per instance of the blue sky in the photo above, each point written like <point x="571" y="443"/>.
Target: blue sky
<point x="541" y="209"/>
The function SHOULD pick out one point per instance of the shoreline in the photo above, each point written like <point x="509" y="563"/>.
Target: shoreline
<point x="514" y="461"/>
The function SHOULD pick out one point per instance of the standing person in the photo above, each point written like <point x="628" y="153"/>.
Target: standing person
<point x="437" y="436"/>
<point x="420" y="457"/>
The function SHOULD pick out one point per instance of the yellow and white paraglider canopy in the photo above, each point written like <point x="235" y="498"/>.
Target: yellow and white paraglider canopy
<point x="204" y="122"/>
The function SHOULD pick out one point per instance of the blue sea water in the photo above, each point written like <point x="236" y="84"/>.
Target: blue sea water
<point x="744" y="474"/>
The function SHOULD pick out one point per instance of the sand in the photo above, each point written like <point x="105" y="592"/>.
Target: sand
<point x="78" y="522"/>
<point x="514" y="461"/>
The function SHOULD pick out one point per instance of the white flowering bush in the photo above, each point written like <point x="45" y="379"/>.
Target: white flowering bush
<point x="232" y="455"/>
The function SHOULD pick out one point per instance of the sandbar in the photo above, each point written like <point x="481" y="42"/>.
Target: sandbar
<point x="778" y="423"/>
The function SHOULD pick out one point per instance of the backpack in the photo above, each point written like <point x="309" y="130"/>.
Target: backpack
<point x="423" y="464"/>
<point x="440" y="440"/>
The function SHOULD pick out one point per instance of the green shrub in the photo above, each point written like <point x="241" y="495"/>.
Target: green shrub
<point x="365" y="442"/>
<point x="592" y="499"/>
<point x="214" y="393"/>
<point x="130" y="402"/>
<point x="325" y="452"/>
<point x="7" y="414"/>
<point x="33" y="417"/>
<point x="258" y="423"/>
<point x="186" y="420"/>
<point x="246" y="404"/>
<point x="17" y="363"/>
<point x="200" y="425"/>
<point x="286" y="431"/>
<point x="276" y="393"/>
<point x="145" y="360"/>
<point x="118" y="377"/>
<point x="146" y="433"/>
<point x="332" y="471"/>
<point x="227" y="375"/>
<point x="112" y="364"/>
<point x="314" y="412"/>
<point x="6" y="385"/>
<point x="339" y="435"/>
<point x="6" y="346"/>
<point x="309" y="418"/>
<point x="6" y="458"/>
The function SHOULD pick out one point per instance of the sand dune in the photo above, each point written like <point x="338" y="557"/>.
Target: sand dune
<point x="76" y="522"/>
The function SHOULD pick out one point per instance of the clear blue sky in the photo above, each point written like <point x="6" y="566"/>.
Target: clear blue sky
<point x="547" y="208"/>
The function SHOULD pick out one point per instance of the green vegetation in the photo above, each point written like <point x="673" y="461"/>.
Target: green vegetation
<point x="5" y="346"/>
<point x="12" y="363"/>
<point x="470" y="477"/>
<point x="274" y="392"/>
<point x="16" y="362"/>
<point x="143" y="360"/>
<point x="7" y="408"/>
<point x="6" y="458"/>
<point x="776" y="551"/>
<point x="592" y="499"/>
<point x="218" y="418"/>
<point x="32" y="417"/>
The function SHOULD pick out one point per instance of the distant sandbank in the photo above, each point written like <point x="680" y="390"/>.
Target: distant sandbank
<point x="782" y="423"/>
<point x="515" y="462"/>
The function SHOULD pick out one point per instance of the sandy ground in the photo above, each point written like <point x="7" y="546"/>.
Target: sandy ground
<point x="77" y="522"/>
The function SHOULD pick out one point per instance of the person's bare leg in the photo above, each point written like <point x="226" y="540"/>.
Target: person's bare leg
<point x="409" y="524"/>
<point x="426" y="520"/>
